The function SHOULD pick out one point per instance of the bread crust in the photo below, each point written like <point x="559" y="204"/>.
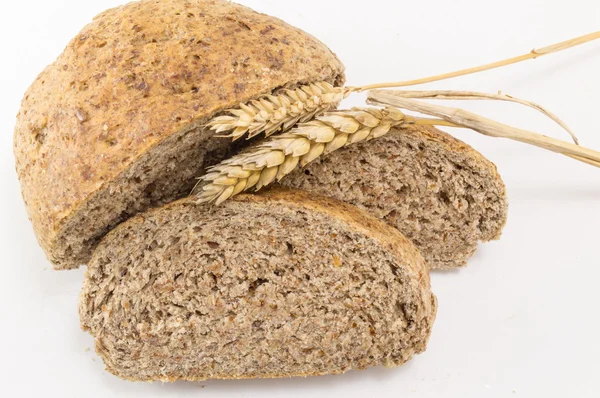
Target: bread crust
<point x="136" y="75"/>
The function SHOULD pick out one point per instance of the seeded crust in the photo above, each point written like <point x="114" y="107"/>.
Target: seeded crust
<point x="115" y="124"/>
<point x="438" y="191"/>
<point x="279" y="284"/>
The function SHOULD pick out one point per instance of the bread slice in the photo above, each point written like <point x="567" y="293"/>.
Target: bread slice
<point x="438" y="191"/>
<point x="115" y="124"/>
<point x="273" y="285"/>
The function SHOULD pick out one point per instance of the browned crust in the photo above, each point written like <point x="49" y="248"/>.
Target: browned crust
<point x="136" y="75"/>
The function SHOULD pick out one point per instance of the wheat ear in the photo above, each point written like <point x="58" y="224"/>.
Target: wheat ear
<point x="280" y="154"/>
<point x="272" y="113"/>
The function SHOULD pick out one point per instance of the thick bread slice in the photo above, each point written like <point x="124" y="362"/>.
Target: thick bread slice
<point x="273" y="285"/>
<point x="115" y="124"/>
<point x="438" y="191"/>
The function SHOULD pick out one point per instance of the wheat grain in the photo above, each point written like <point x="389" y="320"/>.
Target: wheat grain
<point x="272" y="113"/>
<point x="280" y="154"/>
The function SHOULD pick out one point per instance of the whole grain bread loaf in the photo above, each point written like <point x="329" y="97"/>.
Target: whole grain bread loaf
<point x="438" y="191"/>
<point x="115" y="124"/>
<point x="280" y="284"/>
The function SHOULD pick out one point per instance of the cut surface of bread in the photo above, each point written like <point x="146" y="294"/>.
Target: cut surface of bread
<point x="438" y="191"/>
<point x="279" y="284"/>
<point x="116" y="124"/>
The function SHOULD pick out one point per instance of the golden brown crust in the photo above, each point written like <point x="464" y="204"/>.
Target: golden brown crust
<point x="135" y="76"/>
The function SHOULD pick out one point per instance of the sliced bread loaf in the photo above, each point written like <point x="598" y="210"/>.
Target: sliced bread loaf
<point x="279" y="284"/>
<point x="438" y="191"/>
<point x="115" y="124"/>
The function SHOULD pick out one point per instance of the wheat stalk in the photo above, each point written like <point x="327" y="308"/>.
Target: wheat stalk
<point x="281" y="154"/>
<point x="272" y="113"/>
<point x="533" y="54"/>
<point x="462" y="118"/>
<point x="473" y="95"/>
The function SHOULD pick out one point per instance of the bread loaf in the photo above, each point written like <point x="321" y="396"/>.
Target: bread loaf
<point x="438" y="191"/>
<point x="116" y="124"/>
<point x="279" y="284"/>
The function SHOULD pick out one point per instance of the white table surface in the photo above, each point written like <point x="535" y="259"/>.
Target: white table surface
<point x="521" y="320"/>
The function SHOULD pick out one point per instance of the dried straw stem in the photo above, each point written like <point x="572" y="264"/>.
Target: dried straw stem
<point x="531" y="55"/>
<point x="272" y="113"/>
<point x="483" y="125"/>
<point x="280" y="154"/>
<point x="473" y="95"/>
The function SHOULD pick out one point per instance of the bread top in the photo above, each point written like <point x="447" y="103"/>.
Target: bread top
<point x="138" y="74"/>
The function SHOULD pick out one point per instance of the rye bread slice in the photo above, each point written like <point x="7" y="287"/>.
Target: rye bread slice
<point x="279" y="284"/>
<point x="435" y="189"/>
<point x="116" y="124"/>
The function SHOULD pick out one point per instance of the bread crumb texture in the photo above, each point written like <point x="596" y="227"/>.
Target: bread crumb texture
<point x="438" y="191"/>
<point x="249" y="289"/>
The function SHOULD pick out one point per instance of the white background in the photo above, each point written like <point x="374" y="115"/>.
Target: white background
<point x="521" y="320"/>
